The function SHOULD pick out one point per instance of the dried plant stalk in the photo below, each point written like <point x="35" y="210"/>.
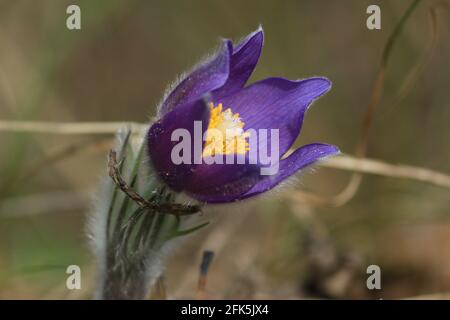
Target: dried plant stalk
<point x="356" y="164"/>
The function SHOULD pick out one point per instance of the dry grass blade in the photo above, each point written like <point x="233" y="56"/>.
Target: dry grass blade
<point x="64" y="152"/>
<point x="377" y="167"/>
<point x="355" y="181"/>
<point x="362" y="165"/>
<point x="417" y="70"/>
<point x="71" y="128"/>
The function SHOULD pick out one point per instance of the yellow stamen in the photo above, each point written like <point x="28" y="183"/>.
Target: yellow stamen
<point x="225" y="133"/>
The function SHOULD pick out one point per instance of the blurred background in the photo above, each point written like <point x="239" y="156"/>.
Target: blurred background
<point x="282" y="246"/>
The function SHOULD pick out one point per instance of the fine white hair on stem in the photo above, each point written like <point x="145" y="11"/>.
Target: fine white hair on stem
<point x="97" y="221"/>
<point x="130" y="241"/>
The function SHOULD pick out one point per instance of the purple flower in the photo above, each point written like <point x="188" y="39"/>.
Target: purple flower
<point x="214" y="95"/>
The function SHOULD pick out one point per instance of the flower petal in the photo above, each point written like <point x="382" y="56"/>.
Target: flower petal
<point x="243" y="61"/>
<point x="222" y="182"/>
<point x="204" y="78"/>
<point x="299" y="159"/>
<point x="276" y="103"/>
<point x="160" y="145"/>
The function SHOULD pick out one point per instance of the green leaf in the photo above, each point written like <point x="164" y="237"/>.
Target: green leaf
<point x="180" y="233"/>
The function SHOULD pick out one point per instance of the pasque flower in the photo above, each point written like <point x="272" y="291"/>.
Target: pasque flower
<point x="215" y="95"/>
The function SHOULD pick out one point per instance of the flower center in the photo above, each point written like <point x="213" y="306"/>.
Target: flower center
<point x="225" y="133"/>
